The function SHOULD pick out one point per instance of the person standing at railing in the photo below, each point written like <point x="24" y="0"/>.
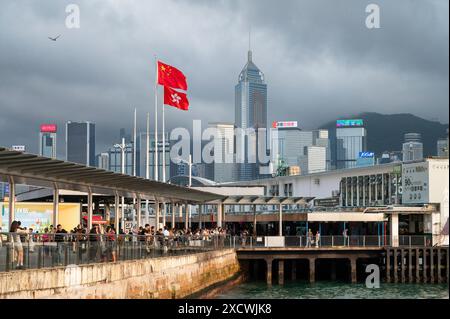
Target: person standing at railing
<point x="345" y="235"/>
<point x="111" y="243"/>
<point x="16" y="243"/>
<point x="94" y="234"/>
<point x="60" y="235"/>
<point x="317" y="239"/>
<point x="309" y="238"/>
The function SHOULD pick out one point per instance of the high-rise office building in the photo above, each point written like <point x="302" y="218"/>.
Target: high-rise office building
<point x="314" y="160"/>
<point x="250" y="113"/>
<point x="47" y="140"/>
<point x="351" y="139"/>
<point x="102" y="161"/>
<point x="412" y="147"/>
<point x="223" y="168"/>
<point x="115" y="158"/>
<point x="141" y="159"/>
<point x="321" y="138"/>
<point x="80" y="143"/>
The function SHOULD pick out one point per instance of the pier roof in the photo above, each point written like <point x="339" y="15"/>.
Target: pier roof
<point x="33" y="170"/>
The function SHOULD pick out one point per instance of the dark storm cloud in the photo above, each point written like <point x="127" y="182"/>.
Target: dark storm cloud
<point x="319" y="59"/>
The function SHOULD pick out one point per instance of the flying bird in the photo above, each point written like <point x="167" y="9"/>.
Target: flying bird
<point x="54" y="39"/>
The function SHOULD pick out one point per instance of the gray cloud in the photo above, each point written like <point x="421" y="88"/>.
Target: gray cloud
<point x="319" y="59"/>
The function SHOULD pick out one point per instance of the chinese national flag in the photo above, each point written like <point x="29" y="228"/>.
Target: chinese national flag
<point x="176" y="99"/>
<point x="171" y="77"/>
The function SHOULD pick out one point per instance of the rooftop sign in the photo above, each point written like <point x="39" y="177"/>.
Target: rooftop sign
<point x="48" y="128"/>
<point x="349" y="123"/>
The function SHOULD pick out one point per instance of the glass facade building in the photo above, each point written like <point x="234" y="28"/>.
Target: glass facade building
<point x="141" y="146"/>
<point x="350" y="141"/>
<point x="250" y="112"/>
<point x="115" y="159"/>
<point x="80" y="143"/>
<point x="47" y="144"/>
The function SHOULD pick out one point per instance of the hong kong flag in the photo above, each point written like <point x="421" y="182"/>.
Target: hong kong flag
<point x="176" y="99"/>
<point x="171" y="77"/>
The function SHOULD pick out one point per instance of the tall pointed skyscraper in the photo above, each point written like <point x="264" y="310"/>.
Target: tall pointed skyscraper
<point x="250" y="112"/>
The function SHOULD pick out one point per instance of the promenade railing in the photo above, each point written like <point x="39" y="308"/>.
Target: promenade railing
<point x="33" y="251"/>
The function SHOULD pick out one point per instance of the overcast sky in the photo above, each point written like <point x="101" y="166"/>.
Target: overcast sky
<point x="319" y="59"/>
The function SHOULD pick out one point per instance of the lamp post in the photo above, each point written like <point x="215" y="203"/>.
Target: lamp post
<point x="122" y="147"/>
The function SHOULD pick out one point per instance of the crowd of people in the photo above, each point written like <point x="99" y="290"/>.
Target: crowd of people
<point x="101" y="241"/>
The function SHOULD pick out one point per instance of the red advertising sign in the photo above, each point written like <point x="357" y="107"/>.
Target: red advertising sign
<point x="48" y="128"/>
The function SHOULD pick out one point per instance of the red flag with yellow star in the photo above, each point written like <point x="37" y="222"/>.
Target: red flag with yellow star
<point x="176" y="99"/>
<point x="171" y="77"/>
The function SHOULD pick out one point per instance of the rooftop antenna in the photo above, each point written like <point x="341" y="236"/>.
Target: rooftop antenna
<point x="250" y="44"/>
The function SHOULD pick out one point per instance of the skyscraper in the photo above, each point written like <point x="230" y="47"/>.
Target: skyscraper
<point x="250" y="113"/>
<point x="115" y="159"/>
<point x="351" y="139"/>
<point x="223" y="169"/>
<point x="80" y="143"/>
<point x="141" y="146"/>
<point x="47" y="140"/>
<point x="412" y="148"/>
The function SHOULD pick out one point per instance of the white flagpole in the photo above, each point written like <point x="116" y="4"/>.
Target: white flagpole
<point x="163" y="145"/>
<point x="147" y="165"/>
<point x="134" y="163"/>
<point x="134" y="143"/>
<point x="156" y="121"/>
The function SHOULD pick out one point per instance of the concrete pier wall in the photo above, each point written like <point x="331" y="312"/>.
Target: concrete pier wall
<point x="167" y="277"/>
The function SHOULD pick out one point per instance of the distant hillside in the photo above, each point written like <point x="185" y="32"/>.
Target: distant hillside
<point x="386" y="132"/>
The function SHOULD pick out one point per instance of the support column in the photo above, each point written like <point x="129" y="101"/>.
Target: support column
<point x="122" y="213"/>
<point x="353" y="269"/>
<point x="12" y="201"/>
<point x="312" y="270"/>
<point x="410" y="265"/>
<point x="432" y="265"/>
<point x="388" y="265"/>
<point x="281" y="272"/>
<point x="254" y="221"/>
<point x="395" y="266"/>
<point x="357" y="191"/>
<point x="417" y="265"/>
<point x="219" y="214"/>
<point x="186" y="217"/>
<point x="173" y="210"/>
<point x="164" y="207"/>
<point x="89" y="210"/>
<point x="157" y="215"/>
<point x="116" y="212"/>
<point x="139" y="212"/>
<point x="394" y="230"/>
<point x="200" y="213"/>
<point x="424" y="264"/>
<point x="55" y="205"/>
<point x="269" y="272"/>
<point x="403" y="264"/>
<point x="280" y="220"/>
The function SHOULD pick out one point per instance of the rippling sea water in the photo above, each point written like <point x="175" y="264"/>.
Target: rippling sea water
<point x="333" y="290"/>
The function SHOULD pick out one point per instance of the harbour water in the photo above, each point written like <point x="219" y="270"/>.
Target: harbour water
<point x="334" y="290"/>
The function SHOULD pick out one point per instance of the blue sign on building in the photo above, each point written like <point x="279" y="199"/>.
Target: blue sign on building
<point x="366" y="154"/>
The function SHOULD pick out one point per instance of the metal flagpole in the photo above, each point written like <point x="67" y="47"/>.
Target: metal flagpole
<point x="147" y="165"/>
<point x="156" y="121"/>
<point x="134" y="163"/>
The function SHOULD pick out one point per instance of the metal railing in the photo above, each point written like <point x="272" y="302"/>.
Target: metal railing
<point x="34" y="251"/>
<point x="336" y="242"/>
